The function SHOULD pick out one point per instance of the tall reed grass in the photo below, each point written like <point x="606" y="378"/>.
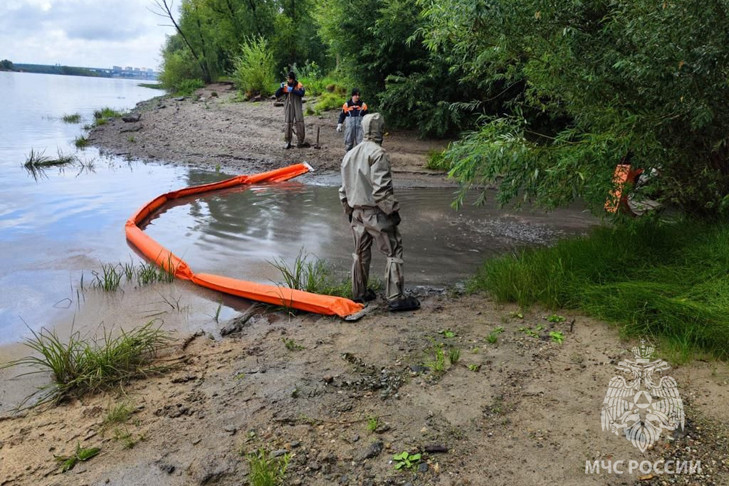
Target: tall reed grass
<point x="315" y="275"/>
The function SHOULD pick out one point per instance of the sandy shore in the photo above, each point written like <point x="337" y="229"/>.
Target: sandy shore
<point x="523" y="410"/>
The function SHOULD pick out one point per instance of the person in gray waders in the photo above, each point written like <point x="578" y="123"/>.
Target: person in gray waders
<point x="369" y="201"/>
<point x="293" y="111"/>
<point x="352" y="111"/>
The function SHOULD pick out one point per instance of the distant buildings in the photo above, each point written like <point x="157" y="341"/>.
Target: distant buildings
<point x="133" y="72"/>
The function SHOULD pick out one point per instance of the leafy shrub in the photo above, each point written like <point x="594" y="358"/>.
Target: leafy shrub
<point x="178" y="67"/>
<point x="255" y="68"/>
<point x="187" y="87"/>
<point x="329" y="101"/>
<point x="437" y="161"/>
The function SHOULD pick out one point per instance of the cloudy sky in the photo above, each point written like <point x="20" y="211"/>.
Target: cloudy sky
<point x="87" y="33"/>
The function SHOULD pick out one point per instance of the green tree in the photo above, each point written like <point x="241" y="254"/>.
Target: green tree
<point x="6" y="65"/>
<point x="594" y="81"/>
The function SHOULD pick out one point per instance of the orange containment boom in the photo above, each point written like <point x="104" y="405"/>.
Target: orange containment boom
<point x="270" y="294"/>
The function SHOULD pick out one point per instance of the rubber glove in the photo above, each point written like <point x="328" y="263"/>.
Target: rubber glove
<point x="339" y="127"/>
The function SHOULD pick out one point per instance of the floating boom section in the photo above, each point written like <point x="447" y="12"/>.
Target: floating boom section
<point x="270" y="294"/>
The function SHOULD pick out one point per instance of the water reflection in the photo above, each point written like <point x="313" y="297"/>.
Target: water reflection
<point x="237" y="232"/>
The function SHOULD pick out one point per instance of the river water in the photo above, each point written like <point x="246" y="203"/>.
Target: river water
<point x="62" y="225"/>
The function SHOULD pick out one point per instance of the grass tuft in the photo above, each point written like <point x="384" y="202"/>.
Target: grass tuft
<point x="315" y="275"/>
<point x="102" y="116"/>
<point x="36" y="160"/>
<point x="81" y="142"/>
<point x="266" y="470"/>
<point x="437" y="161"/>
<point x="74" y="118"/>
<point x="79" y="366"/>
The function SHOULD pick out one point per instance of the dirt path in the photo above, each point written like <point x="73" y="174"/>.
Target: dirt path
<point x="340" y="399"/>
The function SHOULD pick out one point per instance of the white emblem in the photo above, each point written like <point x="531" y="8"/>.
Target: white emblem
<point x="639" y="407"/>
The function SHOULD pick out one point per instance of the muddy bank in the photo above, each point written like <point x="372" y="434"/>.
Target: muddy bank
<point x="213" y="131"/>
<point x="343" y="398"/>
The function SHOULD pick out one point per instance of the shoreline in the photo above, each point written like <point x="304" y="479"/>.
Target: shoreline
<point x="341" y="399"/>
<point x="210" y="130"/>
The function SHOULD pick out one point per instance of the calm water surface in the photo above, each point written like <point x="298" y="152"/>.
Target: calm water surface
<point x="66" y="223"/>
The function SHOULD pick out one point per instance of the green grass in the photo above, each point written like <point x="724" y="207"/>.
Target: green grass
<point x="668" y="282"/>
<point x="437" y="161"/>
<point x="266" y="470"/>
<point x="117" y="414"/>
<point x="313" y="274"/>
<point x="38" y="160"/>
<point x="74" y="118"/>
<point x="78" y="366"/>
<point x="372" y="423"/>
<point x="81" y="142"/>
<point x="81" y="454"/>
<point x="152" y="85"/>
<point x="109" y="278"/>
<point x="102" y="116"/>
<point x="292" y="345"/>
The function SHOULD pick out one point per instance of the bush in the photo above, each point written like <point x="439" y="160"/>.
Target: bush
<point x="188" y="86"/>
<point x="437" y="161"/>
<point x="178" y="67"/>
<point x="255" y="68"/>
<point x="329" y="101"/>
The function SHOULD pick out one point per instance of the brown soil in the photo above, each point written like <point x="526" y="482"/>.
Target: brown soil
<point x="212" y="130"/>
<point x="524" y="410"/>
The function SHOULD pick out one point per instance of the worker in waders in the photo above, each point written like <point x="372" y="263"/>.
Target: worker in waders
<point x="369" y="202"/>
<point x="293" y="111"/>
<point x="352" y="112"/>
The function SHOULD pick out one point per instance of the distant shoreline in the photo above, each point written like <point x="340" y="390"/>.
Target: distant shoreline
<point x="116" y="72"/>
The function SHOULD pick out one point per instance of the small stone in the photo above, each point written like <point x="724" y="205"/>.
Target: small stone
<point x="279" y="453"/>
<point x="373" y="450"/>
<point x="168" y="468"/>
<point x="328" y="379"/>
<point x="435" y="448"/>
<point x="295" y="444"/>
<point x="423" y="467"/>
<point x="231" y="429"/>
<point x="354" y="439"/>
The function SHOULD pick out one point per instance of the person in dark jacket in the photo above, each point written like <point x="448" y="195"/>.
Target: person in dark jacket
<point x="352" y="111"/>
<point x="293" y="110"/>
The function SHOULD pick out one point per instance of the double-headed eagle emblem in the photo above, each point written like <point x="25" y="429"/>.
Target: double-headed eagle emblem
<point x="639" y="407"/>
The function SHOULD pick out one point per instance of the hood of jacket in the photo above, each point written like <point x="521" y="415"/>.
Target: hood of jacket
<point x="373" y="127"/>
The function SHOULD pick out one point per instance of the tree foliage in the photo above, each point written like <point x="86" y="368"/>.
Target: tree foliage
<point x="601" y="79"/>
<point x="550" y="95"/>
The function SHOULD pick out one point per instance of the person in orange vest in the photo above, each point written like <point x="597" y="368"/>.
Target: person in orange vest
<point x="293" y="110"/>
<point x="352" y="111"/>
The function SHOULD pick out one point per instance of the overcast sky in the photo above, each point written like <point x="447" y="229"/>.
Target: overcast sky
<point x="86" y="33"/>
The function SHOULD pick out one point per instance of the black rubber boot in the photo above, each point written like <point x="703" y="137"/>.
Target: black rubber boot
<point x="404" y="304"/>
<point x="369" y="297"/>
